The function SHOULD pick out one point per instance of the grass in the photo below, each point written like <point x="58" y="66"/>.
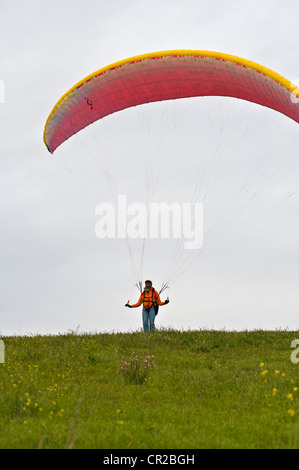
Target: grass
<point x="193" y="390"/>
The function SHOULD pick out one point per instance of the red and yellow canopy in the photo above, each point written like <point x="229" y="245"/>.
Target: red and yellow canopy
<point x="163" y="76"/>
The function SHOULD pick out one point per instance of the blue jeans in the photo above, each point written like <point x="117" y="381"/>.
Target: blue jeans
<point x="148" y="319"/>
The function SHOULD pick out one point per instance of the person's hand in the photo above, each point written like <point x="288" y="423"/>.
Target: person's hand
<point x="128" y="305"/>
<point x="166" y="302"/>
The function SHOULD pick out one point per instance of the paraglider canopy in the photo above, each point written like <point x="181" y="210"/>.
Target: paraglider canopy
<point x="163" y="76"/>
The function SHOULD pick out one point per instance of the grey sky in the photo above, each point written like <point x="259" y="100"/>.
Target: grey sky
<point x="54" y="273"/>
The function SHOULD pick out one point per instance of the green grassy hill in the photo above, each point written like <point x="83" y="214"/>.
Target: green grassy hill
<point x="164" y="390"/>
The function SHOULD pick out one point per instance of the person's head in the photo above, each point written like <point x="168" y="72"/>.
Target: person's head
<point x="148" y="284"/>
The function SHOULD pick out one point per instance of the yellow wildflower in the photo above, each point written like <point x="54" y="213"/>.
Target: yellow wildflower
<point x="291" y="412"/>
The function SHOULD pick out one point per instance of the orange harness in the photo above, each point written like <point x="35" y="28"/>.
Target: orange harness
<point x="150" y="300"/>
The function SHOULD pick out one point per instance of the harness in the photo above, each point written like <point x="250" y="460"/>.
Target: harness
<point x="152" y="299"/>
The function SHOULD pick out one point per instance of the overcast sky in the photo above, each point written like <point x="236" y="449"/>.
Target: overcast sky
<point x="55" y="275"/>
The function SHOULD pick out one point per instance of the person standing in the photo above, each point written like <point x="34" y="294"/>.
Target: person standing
<point x="151" y="302"/>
